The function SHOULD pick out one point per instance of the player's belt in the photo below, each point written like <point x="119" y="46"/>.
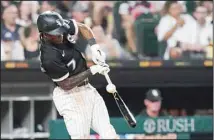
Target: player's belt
<point x="85" y="82"/>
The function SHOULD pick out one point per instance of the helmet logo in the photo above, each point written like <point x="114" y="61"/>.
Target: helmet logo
<point x="58" y="22"/>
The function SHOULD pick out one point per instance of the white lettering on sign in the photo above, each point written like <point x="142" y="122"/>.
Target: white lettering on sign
<point x="169" y="125"/>
<point x="179" y="125"/>
<point x="189" y="124"/>
<point x="149" y="126"/>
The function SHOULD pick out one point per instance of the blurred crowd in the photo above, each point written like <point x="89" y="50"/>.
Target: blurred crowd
<point x="185" y="28"/>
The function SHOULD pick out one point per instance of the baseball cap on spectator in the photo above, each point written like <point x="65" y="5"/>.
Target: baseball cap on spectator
<point x="153" y="95"/>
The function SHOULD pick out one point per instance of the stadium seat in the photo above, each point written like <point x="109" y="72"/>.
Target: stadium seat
<point x="120" y="33"/>
<point x="146" y="41"/>
<point x="190" y="5"/>
<point x="162" y="48"/>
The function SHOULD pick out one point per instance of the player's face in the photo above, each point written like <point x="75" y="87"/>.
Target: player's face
<point x="55" y="39"/>
<point x="153" y="106"/>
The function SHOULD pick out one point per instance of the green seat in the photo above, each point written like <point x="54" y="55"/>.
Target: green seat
<point x="146" y="38"/>
<point x="190" y="6"/>
<point x="120" y="33"/>
<point x="162" y="48"/>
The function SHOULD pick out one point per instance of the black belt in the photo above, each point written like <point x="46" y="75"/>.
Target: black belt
<point x="85" y="82"/>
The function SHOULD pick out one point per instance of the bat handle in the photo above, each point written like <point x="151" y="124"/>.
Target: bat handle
<point x="107" y="78"/>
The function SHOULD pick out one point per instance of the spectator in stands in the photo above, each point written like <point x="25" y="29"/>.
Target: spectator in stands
<point x="101" y="13"/>
<point x="79" y="11"/>
<point x="199" y="36"/>
<point x="5" y="4"/>
<point x="65" y="7"/>
<point x="9" y="17"/>
<point x="25" y="18"/>
<point x="129" y="11"/>
<point x="203" y="30"/>
<point x="28" y="12"/>
<point x="110" y="46"/>
<point x="127" y="23"/>
<point x="80" y="14"/>
<point x="209" y="6"/>
<point x="11" y="49"/>
<point x="153" y="103"/>
<point x="10" y="44"/>
<point x="29" y="38"/>
<point x="48" y="6"/>
<point x="175" y="28"/>
<point x="61" y="7"/>
<point x="157" y="6"/>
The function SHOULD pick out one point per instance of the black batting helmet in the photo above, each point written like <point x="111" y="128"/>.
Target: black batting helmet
<point x="52" y="23"/>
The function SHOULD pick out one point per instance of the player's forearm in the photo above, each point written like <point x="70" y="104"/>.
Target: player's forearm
<point x="98" y="55"/>
<point x="75" y="80"/>
<point x="85" y="31"/>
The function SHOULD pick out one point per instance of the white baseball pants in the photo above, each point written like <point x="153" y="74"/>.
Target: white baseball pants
<point x="83" y="108"/>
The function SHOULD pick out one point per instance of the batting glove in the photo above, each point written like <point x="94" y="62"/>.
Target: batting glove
<point x="98" y="56"/>
<point x="99" y="69"/>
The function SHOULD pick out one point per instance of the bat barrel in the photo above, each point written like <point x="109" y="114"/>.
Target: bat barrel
<point x="122" y="106"/>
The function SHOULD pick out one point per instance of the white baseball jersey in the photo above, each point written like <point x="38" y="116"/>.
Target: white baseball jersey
<point x="83" y="108"/>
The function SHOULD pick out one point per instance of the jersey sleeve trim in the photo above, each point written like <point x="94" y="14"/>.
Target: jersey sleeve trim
<point x="76" y="27"/>
<point x="62" y="78"/>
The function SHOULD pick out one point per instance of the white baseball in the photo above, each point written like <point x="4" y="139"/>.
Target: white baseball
<point x="111" y="88"/>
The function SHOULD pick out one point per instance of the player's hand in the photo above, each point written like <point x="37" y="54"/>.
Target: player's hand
<point x="99" y="69"/>
<point x="98" y="56"/>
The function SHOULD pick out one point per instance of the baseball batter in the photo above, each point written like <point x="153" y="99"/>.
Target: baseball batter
<point x="75" y="99"/>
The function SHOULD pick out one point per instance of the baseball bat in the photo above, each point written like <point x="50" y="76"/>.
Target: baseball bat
<point x="127" y="115"/>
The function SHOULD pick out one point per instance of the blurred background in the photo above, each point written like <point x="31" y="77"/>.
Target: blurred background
<point x="160" y="53"/>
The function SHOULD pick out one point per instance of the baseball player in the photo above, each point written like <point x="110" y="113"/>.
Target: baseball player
<point x="75" y="99"/>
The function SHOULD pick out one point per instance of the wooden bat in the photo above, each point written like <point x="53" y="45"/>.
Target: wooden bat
<point x="127" y="115"/>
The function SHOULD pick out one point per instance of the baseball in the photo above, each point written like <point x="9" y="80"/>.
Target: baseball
<point x="111" y="88"/>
